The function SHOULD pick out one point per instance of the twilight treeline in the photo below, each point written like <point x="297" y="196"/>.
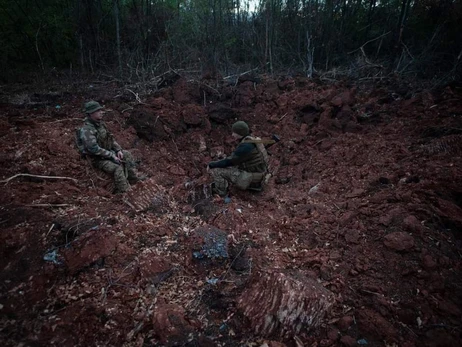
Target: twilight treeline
<point x="143" y="38"/>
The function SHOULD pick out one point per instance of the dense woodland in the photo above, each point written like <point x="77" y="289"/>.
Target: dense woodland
<point x="141" y="39"/>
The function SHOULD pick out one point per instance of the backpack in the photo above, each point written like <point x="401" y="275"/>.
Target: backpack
<point x="79" y="142"/>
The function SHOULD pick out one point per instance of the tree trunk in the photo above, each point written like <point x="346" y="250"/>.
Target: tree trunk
<point x="402" y="20"/>
<point x="117" y="19"/>
<point x="309" y="56"/>
<point x="399" y="36"/>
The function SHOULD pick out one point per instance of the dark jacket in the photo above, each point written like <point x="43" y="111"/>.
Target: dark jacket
<point x="246" y="157"/>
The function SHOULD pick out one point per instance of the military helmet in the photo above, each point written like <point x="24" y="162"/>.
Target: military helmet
<point x="241" y="128"/>
<point x="91" y="107"/>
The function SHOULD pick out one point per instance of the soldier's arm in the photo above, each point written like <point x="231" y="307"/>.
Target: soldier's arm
<point x="237" y="157"/>
<point x="91" y="144"/>
<point x="116" y="147"/>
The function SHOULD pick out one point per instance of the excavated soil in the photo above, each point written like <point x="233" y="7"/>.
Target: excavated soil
<point x="365" y="202"/>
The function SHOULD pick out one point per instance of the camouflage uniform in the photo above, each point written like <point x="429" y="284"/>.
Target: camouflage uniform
<point x="95" y="141"/>
<point x="245" y="168"/>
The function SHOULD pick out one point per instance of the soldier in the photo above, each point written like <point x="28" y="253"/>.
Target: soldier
<point x="246" y="167"/>
<point x="95" y="141"/>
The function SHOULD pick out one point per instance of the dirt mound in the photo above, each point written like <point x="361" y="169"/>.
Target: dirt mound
<point x="364" y="205"/>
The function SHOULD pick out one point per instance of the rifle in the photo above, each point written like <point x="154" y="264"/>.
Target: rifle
<point x="267" y="142"/>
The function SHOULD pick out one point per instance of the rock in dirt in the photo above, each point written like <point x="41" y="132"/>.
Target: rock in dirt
<point x="353" y="236"/>
<point x="428" y="262"/>
<point x="279" y="303"/>
<point x="148" y="125"/>
<point x="88" y="249"/>
<point x="170" y="325"/>
<point x="345" y="323"/>
<point x="220" y="113"/>
<point x="348" y="341"/>
<point x="273" y="344"/>
<point x="192" y="115"/>
<point x="209" y="243"/>
<point x="154" y="268"/>
<point x="333" y="334"/>
<point x="355" y="193"/>
<point x="412" y="224"/>
<point x="399" y="241"/>
<point x="373" y="324"/>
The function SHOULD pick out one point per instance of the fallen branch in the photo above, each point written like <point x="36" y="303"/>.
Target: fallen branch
<point x="201" y="84"/>
<point x="49" y="230"/>
<point x="66" y="119"/>
<point x="284" y="116"/>
<point x="378" y="37"/>
<point x="136" y="96"/>
<point x="37" y="176"/>
<point x="232" y="263"/>
<point x="48" y="205"/>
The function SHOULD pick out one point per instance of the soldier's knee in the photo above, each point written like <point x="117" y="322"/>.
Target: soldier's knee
<point x="119" y="171"/>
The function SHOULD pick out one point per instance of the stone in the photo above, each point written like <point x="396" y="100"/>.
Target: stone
<point x="170" y="325"/>
<point x="209" y="242"/>
<point x="355" y="193"/>
<point x="158" y="103"/>
<point x="428" y="262"/>
<point x="148" y="125"/>
<point x="450" y="308"/>
<point x="399" y="241"/>
<point x="412" y="224"/>
<point x="345" y="323"/>
<point x="180" y="92"/>
<point x="333" y="334"/>
<point x="337" y="101"/>
<point x="220" y="113"/>
<point x="391" y="217"/>
<point x="275" y="344"/>
<point x="352" y="127"/>
<point x="348" y="341"/>
<point x="347" y="218"/>
<point x="345" y="98"/>
<point x="279" y="303"/>
<point x="154" y="268"/>
<point x="352" y="236"/>
<point x="89" y="248"/>
<point x="372" y="323"/>
<point x="192" y="115"/>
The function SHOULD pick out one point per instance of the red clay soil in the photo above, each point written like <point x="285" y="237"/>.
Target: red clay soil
<point x="364" y="207"/>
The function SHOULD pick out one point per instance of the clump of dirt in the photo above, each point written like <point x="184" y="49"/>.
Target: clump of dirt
<point x="364" y="205"/>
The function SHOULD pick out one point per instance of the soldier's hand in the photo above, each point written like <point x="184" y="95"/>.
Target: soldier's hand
<point x="120" y="155"/>
<point x="116" y="159"/>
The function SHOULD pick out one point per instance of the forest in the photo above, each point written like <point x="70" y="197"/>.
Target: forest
<point x="138" y="39"/>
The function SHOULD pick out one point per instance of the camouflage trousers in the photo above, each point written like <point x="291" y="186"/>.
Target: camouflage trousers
<point x="222" y="177"/>
<point x="123" y="173"/>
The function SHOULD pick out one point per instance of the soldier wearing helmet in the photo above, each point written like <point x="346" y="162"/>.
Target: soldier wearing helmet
<point x="245" y="168"/>
<point x="96" y="142"/>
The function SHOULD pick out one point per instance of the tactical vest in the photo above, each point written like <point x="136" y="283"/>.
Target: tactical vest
<point x="258" y="158"/>
<point x="104" y="138"/>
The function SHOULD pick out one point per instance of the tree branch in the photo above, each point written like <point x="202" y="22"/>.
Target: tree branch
<point x="378" y="37"/>
<point x="37" y="176"/>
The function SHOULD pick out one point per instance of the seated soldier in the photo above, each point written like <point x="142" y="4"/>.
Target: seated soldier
<point x="246" y="167"/>
<point x="95" y="141"/>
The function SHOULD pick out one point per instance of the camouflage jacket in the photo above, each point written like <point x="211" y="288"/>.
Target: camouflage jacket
<point x="95" y="139"/>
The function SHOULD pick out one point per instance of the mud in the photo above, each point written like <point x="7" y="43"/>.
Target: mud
<point x="365" y="200"/>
